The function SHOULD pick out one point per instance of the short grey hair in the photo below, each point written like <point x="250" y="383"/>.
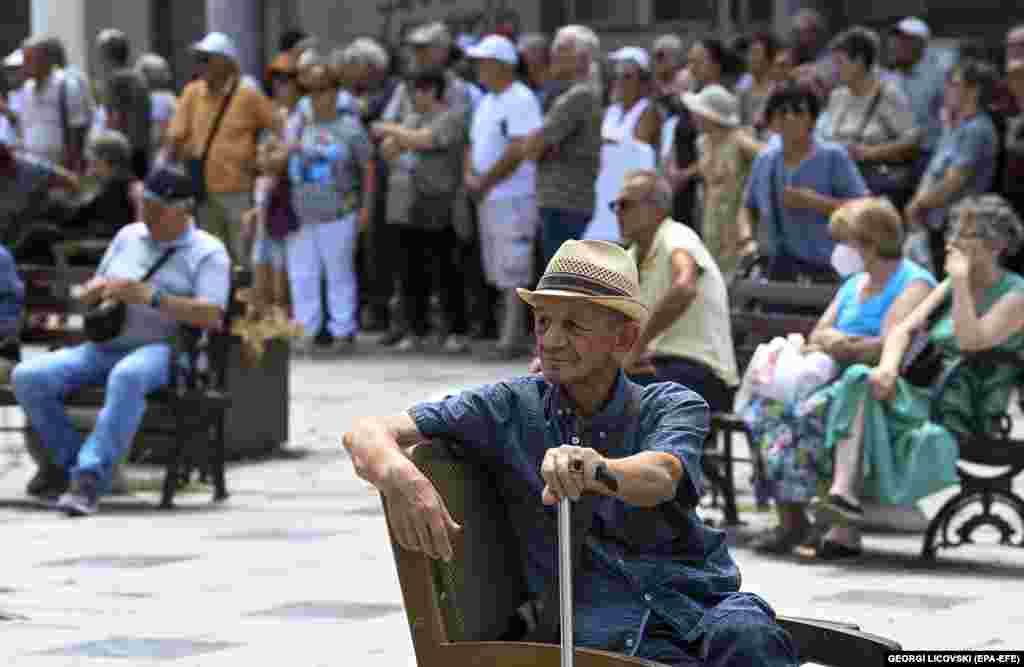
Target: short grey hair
<point x="311" y="58"/>
<point x="155" y="69"/>
<point x="816" y="18"/>
<point x="533" y="40"/>
<point x="672" y="44"/>
<point x="367" y="51"/>
<point x="113" y="148"/>
<point x="661" y="192"/>
<point x="994" y="219"/>
<point x="583" y="38"/>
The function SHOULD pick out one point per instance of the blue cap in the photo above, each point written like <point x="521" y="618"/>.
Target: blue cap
<point x="169" y="186"/>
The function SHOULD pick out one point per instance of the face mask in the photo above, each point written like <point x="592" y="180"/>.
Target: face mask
<point x="846" y="260"/>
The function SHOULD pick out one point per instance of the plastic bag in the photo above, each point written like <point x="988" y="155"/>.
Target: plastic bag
<point x="780" y="371"/>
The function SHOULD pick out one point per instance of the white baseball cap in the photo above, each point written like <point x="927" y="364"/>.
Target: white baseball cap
<point x="495" y="47"/>
<point x="914" y="27"/>
<point x="632" y="54"/>
<point x="217" y="43"/>
<point x="16" y="59"/>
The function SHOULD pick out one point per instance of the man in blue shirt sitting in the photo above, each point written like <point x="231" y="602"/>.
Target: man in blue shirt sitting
<point x="190" y="287"/>
<point x="654" y="581"/>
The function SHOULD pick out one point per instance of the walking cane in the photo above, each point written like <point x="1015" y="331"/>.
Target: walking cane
<point x="565" y="562"/>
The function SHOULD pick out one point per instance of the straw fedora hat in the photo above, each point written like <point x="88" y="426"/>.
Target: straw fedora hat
<point x="595" y="271"/>
<point x="716" y="103"/>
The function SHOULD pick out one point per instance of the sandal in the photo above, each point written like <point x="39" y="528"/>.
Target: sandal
<point x="779" y="541"/>
<point x="840" y="509"/>
<point x="829" y="551"/>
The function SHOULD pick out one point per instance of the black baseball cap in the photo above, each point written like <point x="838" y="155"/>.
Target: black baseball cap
<point x="169" y="186"/>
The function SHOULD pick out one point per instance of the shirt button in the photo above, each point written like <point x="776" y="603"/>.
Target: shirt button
<point x="629" y="642"/>
<point x="575" y="440"/>
<point x="648" y="597"/>
<point x="603" y="434"/>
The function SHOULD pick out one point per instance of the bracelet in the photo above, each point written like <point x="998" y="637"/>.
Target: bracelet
<point x="157" y="298"/>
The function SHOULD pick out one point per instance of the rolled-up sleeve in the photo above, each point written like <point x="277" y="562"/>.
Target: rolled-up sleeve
<point x="472" y="417"/>
<point x="213" y="281"/>
<point x="676" y="422"/>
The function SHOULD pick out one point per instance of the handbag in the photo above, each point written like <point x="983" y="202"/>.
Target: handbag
<point x="105" y="321"/>
<point x="922" y="363"/>
<point x="884" y="179"/>
<point x="281" y="217"/>
<point x="196" y="167"/>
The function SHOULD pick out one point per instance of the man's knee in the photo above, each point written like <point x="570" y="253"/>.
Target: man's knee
<point x="749" y="637"/>
<point x="136" y="376"/>
<point x="32" y="378"/>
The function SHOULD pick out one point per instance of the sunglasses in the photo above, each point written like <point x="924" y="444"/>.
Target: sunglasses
<point x="621" y="206"/>
<point x="202" y="59"/>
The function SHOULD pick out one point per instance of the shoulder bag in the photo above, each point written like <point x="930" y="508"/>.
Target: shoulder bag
<point x="105" y="321"/>
<point x="196" y="167"/>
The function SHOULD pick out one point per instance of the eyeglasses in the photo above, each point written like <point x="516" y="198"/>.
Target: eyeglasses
<point x="621" y="206"/>
<point x="202" y="58"/>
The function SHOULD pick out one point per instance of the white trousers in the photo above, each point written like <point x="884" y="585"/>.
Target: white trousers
<point x="324" y="252"/>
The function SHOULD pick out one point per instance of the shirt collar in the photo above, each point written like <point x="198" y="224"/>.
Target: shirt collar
<point x="210" y="92"/>
<point x="183" y="239"/>
<point x="558" y="403"/>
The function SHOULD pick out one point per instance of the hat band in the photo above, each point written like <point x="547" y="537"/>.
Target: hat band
<point x="573" y="282"/>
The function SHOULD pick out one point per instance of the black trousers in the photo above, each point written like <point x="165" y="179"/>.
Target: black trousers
<point x="427" y="262"/>
<point x="379" y="251"/>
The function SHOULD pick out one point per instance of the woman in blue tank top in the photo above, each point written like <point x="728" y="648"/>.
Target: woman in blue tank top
<point x="880" y="289"/>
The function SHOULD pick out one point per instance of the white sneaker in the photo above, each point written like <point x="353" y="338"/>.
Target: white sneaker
<point x="409" y="344"/>
<point x="456" y="344"/>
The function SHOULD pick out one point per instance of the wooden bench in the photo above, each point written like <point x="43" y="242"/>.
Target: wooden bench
<point x="751" y="302"/>
<point x="196" y="401"/>
<point x="458" y="610"/>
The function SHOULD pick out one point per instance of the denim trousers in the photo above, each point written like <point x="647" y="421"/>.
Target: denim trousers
<point x="42" y="382"/>
<point x="559" y="225"/>
<point x="325" y="251"/>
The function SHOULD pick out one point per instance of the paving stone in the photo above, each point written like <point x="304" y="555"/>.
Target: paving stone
<point x="297" y="535"/>
<point x="119" y="562"/>
<point x="887" y="598"/>
<point x="356" y="611"/>
<point x="134" y="648"/>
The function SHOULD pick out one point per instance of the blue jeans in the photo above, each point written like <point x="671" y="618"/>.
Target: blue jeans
<point x="558" y="225"/>
<point x="42" y="382"/>
<point x="736" y="633"/>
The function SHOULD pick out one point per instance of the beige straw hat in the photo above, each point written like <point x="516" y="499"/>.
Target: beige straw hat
<point x="595" y="271"/>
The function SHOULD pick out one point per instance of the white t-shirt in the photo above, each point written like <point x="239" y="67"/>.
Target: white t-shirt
<point x="40" y="118"/>
<point x="498" y="119"/>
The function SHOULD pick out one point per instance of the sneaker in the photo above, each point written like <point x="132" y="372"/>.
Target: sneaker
<point x="49" y="483"/>
<point x="392" y="337"/>
<point x="83" y="499"/>
<point x="303" y="347"/>
<point x="343" y="345"/>
<point x="455" y="344"/>
<point x="409" y="343"/>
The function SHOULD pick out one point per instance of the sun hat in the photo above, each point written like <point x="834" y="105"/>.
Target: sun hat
<point x="219" y="44"/>
<point x="716" y="103"/>
<point x="596" y="271"/>
<point x="494" y="47"/>
<point x="632" y="54"/>
<point x="431" y="34"/>
<point x="914" y="27"/>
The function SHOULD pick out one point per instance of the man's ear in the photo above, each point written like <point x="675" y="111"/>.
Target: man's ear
<point x="628" y="337"/>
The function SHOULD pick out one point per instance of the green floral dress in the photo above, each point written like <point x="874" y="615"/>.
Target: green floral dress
<point x="907" y="456"/>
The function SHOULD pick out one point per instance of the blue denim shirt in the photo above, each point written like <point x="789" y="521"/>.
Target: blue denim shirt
<point x="682" y="570"/>
<point x="12" y="295"/>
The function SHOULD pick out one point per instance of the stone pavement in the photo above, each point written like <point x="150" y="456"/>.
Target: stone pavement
<point x="296" y="568"/>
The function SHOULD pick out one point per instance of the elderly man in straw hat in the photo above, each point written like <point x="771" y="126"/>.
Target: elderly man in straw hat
<point x="654" y="581"/>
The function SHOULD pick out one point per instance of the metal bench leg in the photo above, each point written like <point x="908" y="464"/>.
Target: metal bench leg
<point x="732" y="517"/>
<point x="219" y="447"/>
<point x="174" y="463"/>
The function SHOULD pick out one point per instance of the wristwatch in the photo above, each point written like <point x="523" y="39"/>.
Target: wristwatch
<point x="158" y="296"/>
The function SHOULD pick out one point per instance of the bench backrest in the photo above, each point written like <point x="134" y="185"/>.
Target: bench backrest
<point x="753" y="323"/>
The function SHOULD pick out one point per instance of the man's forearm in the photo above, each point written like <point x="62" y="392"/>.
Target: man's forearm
<point x="646" y="479"/>
<point x="377" y="453"/>
<point x="667" y="311"/>
<point x="943" y="191"/>
<point x="503" y="168"/>
<point x="192" y="311"/>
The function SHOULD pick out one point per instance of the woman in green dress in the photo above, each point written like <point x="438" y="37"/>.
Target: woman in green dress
<point x="878" y="434"/>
